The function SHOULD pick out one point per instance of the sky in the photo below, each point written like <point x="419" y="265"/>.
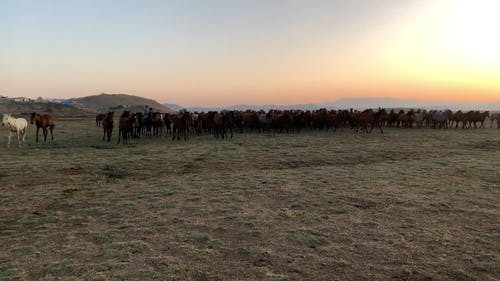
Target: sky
<point x="224" y="52"/>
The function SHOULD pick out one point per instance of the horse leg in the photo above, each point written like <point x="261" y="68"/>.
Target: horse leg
<point x="8" y="139"/>
<point x="44" y="134"/>
<point x="37" y="129"/>
<point x="18" y="137"/>
<point x="52" y="132"/>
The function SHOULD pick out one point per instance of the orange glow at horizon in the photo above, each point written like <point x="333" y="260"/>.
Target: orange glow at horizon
<point x="446" y="50"/>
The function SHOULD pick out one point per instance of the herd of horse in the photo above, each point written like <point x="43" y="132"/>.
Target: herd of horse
<point x="221" y="124"/>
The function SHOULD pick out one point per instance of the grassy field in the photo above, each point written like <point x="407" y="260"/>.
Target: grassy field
<point x="406" y="205"/>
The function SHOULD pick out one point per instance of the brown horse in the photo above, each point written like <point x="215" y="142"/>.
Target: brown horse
<point x="405" y="120"/>
<point x="44" y="122"/>
<point x="107" y="125"/>
<point x="458" y="117"/>
<point x="495" y="117"/>
<point x="480" y="117"/>
<point x="157" y="124"/>
<point x="368" y="119"/>
<point x="249" y="119"/>
<point x="180" y="122"/>
<point x="126" y="126"/>
<point x="334" y="120"/>
<point x="99" y="118"/>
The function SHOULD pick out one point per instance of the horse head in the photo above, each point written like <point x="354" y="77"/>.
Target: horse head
<point x="5" y="119"/>
<point x="382" y="112"/>
<point x="34" y="117"/>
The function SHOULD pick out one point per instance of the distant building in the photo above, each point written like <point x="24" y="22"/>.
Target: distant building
<point x="22" y="99"/>
<point x="3" y="97"/>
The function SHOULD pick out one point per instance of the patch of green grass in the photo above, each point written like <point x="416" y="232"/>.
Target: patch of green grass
<point x="308" y="238"/>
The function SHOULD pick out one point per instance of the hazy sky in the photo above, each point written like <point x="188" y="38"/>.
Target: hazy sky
<point x="221" y="52"/>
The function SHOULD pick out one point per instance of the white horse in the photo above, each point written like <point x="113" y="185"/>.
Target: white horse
<point x="16" y="125"/>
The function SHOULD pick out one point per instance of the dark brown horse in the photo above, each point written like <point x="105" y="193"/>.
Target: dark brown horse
<point x="157" y="124"/>
<point x="107" y="125"/>
<point x="223" y="121"/>
<point x="99" y="118"/>
<point x="334" y="120"/>
<point x="180" y="122"/>
<point x="126" y="126"/>
<point x="249" y="119"/>
<point x="44" y="122"/>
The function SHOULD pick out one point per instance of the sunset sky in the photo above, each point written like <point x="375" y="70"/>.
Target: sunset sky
<point x="222" y="52"/>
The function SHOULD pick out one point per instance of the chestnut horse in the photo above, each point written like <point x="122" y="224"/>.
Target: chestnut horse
<point x="107" y="125"/>
<point x="43" y="121"/>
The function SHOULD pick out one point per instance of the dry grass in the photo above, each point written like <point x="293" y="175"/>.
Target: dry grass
<point x="406" y="205"/>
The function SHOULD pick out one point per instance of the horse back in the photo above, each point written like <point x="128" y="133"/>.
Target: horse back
<point x="20" y="124"/>
<point x="49" y="120"/>
<point x="45" y="121"/>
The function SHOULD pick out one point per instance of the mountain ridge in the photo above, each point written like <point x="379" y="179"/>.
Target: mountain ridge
<point x="357" y="103"/>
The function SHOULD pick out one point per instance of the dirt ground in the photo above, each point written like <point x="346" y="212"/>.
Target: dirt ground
<point x="406" y="205"/>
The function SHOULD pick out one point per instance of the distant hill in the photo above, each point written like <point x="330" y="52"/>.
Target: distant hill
<point x="103" y="102"/>
<point x="24" y="109"/>
<point x="360" y="103"/>
<point x="173" y="106"/>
